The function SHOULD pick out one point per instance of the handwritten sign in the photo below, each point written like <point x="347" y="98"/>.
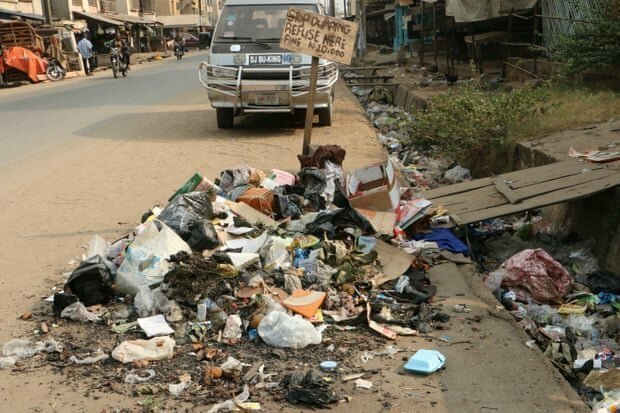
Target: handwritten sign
<point x="317" y="35"/>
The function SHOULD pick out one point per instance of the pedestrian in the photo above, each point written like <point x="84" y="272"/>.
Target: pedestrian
<point x="85" y="47"/>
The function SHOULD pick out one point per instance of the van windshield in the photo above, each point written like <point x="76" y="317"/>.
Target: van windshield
<point x="263" y="22"/>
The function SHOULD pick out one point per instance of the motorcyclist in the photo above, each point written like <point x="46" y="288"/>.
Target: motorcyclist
<point x="179" y="42"/>
<point x="121" y="44"/>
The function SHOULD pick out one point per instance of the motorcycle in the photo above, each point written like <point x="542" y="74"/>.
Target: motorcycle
<point x="179" y="52"/>
<point x="55" y="71"/>
<point x="119" y="64"/>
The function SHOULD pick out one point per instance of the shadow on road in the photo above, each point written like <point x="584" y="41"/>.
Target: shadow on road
<point x="189" y="125"/>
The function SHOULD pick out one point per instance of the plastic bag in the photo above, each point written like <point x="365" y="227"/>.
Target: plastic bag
<point x="541" y="314"/>
<point x="494" y="280"/>
<point x="146" y="257"/>
<point x="203" y="236"/>
<point x="580" y="323"/>
<point x="537" y="273"/>
<point x="91" y="281"/>
<point x="158" y="348"/>
<point x="457" y="174"/>
<point x="22" y="349"/>
<point x="279" y="329"/>
<point x="276" y="257"/>
<point x="150" y="302"/>
<point x="188" y="215"/>
<point x="78" y="312"/>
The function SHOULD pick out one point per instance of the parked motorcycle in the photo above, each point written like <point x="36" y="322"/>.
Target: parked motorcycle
<point x="55" y="71"/>
<point x="119" y="64"/>
<point x="179" y="52"/>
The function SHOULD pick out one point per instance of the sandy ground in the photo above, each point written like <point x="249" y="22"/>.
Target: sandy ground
<point x="55" y="200"/>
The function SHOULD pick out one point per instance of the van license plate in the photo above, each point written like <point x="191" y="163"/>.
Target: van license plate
<point x="261" y="59"/>
<point x="266" y="99"/>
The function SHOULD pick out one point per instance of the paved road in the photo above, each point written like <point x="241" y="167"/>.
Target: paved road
<point x="36" y="116"/>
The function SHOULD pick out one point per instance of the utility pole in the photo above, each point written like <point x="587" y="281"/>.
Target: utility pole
<point x="47" y="11"/>
<point x="332" y="8"/>
<point x="199" y="16"/>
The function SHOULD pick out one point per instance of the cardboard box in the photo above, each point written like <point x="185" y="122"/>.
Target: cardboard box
<point x="373" y="187"/>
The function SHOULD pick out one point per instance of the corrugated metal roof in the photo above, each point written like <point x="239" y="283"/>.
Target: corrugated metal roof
<point x="98" y="17"/>
<point x="182" y="20"/>
<point x="132" y="19"/>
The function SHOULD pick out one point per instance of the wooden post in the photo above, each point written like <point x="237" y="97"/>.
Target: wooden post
<point x="422" y="37"/>
<point x="435" y="31"/>
<point x="314" y="71"/>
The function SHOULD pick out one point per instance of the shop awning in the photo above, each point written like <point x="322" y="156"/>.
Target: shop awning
<point x="182" y="21"/>
<point x="97" y="17"/>
<point x="127" y="18"/>
<point x="6" y="13"/>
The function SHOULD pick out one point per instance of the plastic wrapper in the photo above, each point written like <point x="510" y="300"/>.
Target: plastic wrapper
<point x="149" y="302"/>
<point x="279" y="329"/>
<point x="78" y="312"/>
<point x="538" y="274"/>
<point x="158" y="348"/>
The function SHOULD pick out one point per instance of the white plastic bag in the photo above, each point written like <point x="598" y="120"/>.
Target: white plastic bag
<point x="279" y="329"/>
<point x="158" y="348"/>
<point x="146" y="258"/>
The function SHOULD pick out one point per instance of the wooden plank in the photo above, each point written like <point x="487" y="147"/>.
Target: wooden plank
<point x="458" y="188"/>
<point x="365" y="84"/>
<point x="556" y="185"/>
<point x="540" y="174"/>
<point x="563" y="195"/>
<point x="481" y="198"/>
<point x="369" y="77"/>
<point x="502" y="187"/>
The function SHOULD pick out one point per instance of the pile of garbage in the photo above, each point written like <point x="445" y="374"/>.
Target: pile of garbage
<point x="566" y="303"/>
<point x="214" y="292"/>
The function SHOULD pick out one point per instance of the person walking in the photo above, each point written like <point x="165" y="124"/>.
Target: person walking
<point x="85" y="47"/>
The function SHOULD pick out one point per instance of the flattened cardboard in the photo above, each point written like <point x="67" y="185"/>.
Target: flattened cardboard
<point x="395" y="262"/>
<point x="382" y="221"/>
<point x="252" y="215"/>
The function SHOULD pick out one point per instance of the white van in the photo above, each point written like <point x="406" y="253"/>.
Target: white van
<point x="248" y="72"/>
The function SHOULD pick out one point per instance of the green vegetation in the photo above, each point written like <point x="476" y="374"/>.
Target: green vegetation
<point x="593" y="45"/>
<point x="469" y="120"/>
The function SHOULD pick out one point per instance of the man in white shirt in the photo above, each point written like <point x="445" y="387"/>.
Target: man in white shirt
<point x="85" y="47"/>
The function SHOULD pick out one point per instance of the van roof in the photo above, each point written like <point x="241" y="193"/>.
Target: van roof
<point x="251" y="2"/>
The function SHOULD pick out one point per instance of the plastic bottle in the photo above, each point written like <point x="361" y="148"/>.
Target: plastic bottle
<point x="299" y="255"/>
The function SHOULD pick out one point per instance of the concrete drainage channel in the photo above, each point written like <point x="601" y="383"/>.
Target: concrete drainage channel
<point x="555" y="269"/>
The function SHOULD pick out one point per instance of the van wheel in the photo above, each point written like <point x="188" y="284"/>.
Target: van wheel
<point x="225" y="118"/>
<point x="325" y="115"/>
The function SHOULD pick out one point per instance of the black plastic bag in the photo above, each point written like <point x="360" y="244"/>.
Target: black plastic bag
<point x="315" y="182"/>
<point x="91" y="282"/>
<point x="202" y="236"/>
<point x="331" y="223"/>
<point x="603" y="281"/>
<point x="189" y="216"/>
<point x="308" y="388"/>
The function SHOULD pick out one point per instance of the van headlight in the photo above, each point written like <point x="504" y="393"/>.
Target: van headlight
<point x="239" y="59"/>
